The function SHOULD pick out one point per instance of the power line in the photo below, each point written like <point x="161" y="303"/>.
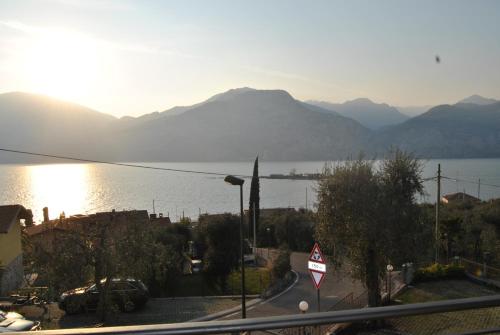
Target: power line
<point x="119" y="164"/>
<point x="470" y="182"/>
<point x="179" y="170"/>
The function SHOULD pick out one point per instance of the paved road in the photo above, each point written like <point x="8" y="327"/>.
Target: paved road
<point x="335" y="286"/>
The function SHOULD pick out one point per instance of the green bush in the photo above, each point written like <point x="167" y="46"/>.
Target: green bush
<point x="437" y="271"/>
<point x="281" y="265"/>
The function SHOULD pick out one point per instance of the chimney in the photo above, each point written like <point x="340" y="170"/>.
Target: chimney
<point x="45" y="214"/>
<point x="28" y="221"/>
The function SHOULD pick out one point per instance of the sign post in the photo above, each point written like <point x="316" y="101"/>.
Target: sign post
<point x="317" y="269"/>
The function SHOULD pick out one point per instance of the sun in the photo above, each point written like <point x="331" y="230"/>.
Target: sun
<point x="62" y="64"/>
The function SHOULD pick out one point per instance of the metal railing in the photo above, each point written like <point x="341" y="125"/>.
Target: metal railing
<point x="293" y="321"/>
<point x="480" y="269"/>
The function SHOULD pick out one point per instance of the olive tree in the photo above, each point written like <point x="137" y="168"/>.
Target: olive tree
<point x="368" y="216"/>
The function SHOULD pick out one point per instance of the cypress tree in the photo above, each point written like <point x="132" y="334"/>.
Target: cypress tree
<point x="254" y="199"/>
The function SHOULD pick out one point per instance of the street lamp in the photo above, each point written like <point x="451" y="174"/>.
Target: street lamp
<point x="239" y="182"/>
<point x="303" y="306"/>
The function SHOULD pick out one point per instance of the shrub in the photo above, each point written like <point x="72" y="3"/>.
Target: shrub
<point x="437" y="271"/>
<point x="281" y="265"/>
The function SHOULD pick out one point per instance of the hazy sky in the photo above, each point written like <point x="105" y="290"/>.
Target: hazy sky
<point x="136" y="57"/>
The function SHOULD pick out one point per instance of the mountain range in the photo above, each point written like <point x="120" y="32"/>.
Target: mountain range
<point x="242" y="123"/>
<point x="366" y="112"/>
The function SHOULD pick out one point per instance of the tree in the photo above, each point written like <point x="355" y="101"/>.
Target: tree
<point x="165" y="259"/>
<point x="295" y="230"/>
<point x="254" y="199"/>
<point x="219" y="238"/>
<point x="369" y="216"/>
<point x="403" y="223"/>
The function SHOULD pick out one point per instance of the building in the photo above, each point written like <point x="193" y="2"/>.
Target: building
<point x="459" y="197"/>
<point x="45" y="234"/>
<point x="11" y="252"/>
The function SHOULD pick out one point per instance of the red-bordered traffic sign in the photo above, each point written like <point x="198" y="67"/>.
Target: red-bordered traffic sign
<point x="317" y="266"/>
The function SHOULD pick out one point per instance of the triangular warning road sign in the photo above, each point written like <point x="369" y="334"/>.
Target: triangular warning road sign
<point x="316" y="255"/>
<point x="317" y="277"/>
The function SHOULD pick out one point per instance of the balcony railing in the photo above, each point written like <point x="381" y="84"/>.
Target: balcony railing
<point x="313" y="320"/>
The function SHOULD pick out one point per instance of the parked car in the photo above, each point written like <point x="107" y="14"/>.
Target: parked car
<point x="196" y="266"/>
<point x="9" y="315"/>
<point x="15" y="322"/>
<point x="127" y="294"/>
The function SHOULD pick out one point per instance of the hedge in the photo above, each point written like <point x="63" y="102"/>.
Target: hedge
<point x="437" y="271"/>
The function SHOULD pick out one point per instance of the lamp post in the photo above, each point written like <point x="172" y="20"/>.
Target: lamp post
<point x="303" y="306"/>
<point x="239" y="182"/>
<point x="268" y="231"/>
<point x="389" y="271"/>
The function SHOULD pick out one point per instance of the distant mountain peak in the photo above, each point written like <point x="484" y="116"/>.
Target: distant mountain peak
<point x="236" y="92"/>
<point x="360" y="101"/>
<point x="477" y="99"/>
<point x="229" y="95"/>
<point x="370" y="114"/>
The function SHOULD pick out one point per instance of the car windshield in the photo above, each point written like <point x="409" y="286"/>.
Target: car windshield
<point x="91" y="288"/>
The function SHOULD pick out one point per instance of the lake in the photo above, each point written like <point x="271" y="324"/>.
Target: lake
<point x="89" y="188"/>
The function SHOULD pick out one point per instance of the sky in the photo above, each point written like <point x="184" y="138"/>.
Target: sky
<point x="137" y="57"/>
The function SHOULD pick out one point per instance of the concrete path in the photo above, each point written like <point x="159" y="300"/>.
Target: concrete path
<point x="335" y="286"/>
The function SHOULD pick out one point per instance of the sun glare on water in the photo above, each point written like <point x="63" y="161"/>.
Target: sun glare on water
<point x="61" y="64"/>
<point x="60" y="187"/>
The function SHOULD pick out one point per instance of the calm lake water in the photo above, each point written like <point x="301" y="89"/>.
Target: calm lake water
<point x="89" y="188"/>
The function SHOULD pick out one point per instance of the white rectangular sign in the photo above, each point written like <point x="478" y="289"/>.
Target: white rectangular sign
<point x="316" y="266"/>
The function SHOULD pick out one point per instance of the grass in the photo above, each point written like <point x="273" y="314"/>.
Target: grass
<point x="256" y="281"/>
<point x="452" y="322"/>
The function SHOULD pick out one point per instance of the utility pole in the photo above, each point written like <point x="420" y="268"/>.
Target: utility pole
<point x="154" y="212"/>
<point x="479" y="189"/>
<point x="438" y="201"/>
<point x="306" y="199"/>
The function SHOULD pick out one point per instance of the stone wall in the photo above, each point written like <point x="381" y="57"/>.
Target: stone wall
<point x="12" y="276"/>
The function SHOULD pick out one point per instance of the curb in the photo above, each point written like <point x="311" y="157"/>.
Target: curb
<point x="220" y="314"/>
<point x="251" y="303"/>
<point x="251" y="296"/>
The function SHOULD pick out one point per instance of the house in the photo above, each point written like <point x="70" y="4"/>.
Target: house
<point x="11" y="252"/>
<point x="45" y="235"/>
<point x="159" y="220"/>
<point x="459" y="197"/>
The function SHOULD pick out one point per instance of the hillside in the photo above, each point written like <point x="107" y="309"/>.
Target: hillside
<point x="239" y="124"/>
<point x="366" y="112"/>
<point x="235" y="125"/>
<point x="447" y="131"/>
<point x="38" y="123"/>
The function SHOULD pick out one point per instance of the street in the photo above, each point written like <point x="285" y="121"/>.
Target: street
<point x="335" y="286"/>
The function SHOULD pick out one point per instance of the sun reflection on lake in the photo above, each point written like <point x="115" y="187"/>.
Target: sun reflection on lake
<point x="60" y="187"/>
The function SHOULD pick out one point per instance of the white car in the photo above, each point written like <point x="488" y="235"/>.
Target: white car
<point x="15" y="322"/>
